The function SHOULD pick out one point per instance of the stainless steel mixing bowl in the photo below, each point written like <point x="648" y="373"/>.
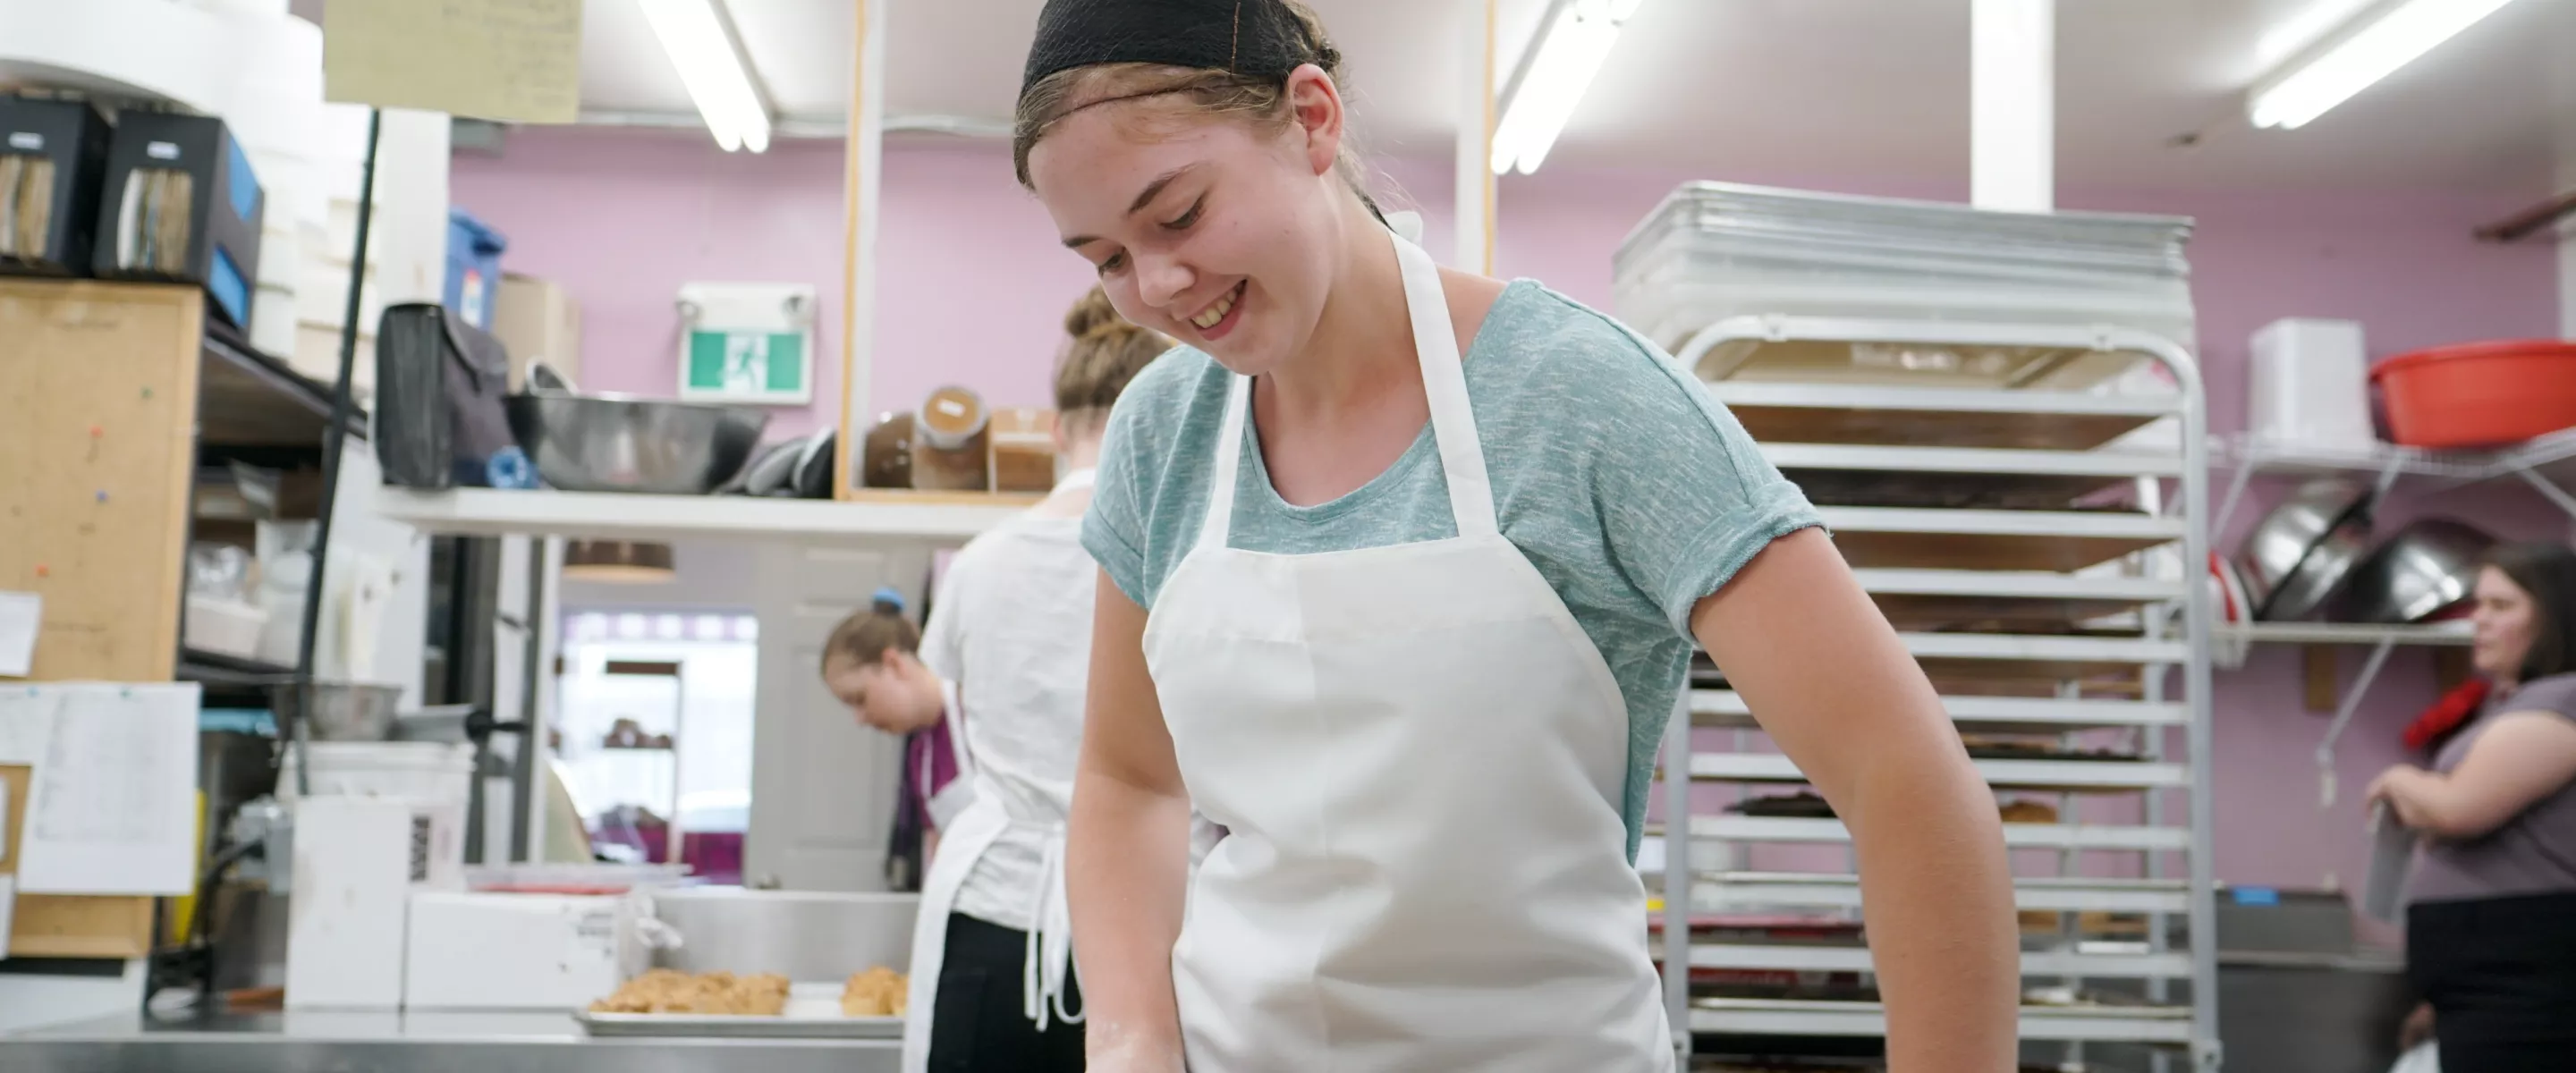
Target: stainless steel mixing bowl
<point x="619" y="443"/>
<point x="342" y="711"/>
<point x="2300" y="552"/>
<point x="2427" y="568"/>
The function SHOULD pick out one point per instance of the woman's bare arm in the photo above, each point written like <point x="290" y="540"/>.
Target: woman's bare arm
<point x="1128" y="852"/>
<point x="1833" y="684"/>
<point x="2520" y="758"/>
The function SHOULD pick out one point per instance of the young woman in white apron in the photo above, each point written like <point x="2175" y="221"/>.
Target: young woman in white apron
<point x="991" y="983"/>
<point x="1403" y="568"/>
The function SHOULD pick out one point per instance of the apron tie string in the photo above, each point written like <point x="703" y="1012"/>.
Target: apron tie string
<point x="1046" y="962"/>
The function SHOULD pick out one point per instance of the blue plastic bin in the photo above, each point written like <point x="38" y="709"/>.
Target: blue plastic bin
<point x="473" y="267"/>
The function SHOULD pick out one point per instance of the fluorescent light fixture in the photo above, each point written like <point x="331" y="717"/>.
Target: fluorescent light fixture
<point x="2372" y="47"/>
<point x="1571" y="46"/>
<point x="700" y="43"/>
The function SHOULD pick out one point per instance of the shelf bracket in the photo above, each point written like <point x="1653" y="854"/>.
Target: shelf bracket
<point x="2235" y="493"/>
<point x="2547" y="488"/>
<point x="2327" y="783"/>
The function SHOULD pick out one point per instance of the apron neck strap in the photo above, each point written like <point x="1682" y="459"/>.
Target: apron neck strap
<point x="1444" y="383"/>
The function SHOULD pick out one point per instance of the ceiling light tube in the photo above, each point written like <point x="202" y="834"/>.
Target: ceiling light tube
<point x="2369" y="48"/>
<point x="701" y="45"/>
<point x="1573" y="43"/>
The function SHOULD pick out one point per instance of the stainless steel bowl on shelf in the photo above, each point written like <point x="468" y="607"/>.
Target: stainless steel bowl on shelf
<point x="2299" y="553"/>
<point x="2425" y="569"/>
<point x="619" y="443"/>
<point x="342" y="711"/>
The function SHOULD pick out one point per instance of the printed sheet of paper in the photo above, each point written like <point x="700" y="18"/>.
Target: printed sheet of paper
<point x="510" y="60"/>
<point x="27" y="722"/>
<point x="22" y="614"/>
<point x="113" y="808"/>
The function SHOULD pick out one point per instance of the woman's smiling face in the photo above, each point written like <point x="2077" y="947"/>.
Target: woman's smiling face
<point x="1219" y="230"/>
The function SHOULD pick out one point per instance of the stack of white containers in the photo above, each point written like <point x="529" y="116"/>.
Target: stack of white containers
<point x="1713" y="251"/>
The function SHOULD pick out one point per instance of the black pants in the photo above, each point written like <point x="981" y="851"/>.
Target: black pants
<point x="977" y="1025"/>
<point x="2501" y="975"/>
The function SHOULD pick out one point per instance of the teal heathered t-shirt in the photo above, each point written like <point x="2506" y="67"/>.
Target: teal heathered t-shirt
<point x="1627" y="485"/>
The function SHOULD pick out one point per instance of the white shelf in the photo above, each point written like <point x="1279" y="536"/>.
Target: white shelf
<point x="1738" y="891"/>
<point x="2016" y="835"/>
<point x="2550" y="452"/>
<point x="2099" y="1024"/>
<point x="1877" y="458"/>
<point x="2017" y="584"/>
<point x="2344" y="633"/>
<point x="493" y="512"/>
<point x="2114" y="525"/>
<point x="1726" y="708"/>
<point x="1936" y="400"/>
<point x="2044" y="647"/>
<point x="2034" y="963"/>
<point x="2028" y="774"/>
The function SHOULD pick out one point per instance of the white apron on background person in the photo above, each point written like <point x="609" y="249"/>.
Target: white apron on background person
<point x="979" y="822"/>
<point x="1420" y="756"/>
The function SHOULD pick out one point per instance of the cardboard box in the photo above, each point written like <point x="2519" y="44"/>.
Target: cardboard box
<point x="537" y="321"/>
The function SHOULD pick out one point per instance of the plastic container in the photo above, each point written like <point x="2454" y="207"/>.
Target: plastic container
<point x="434" y="780"/>
<point x="473" y="267"/>
<point x="2479" y="394"/>
<point x="2309" y="385"/>
<point x="225" y="627"/>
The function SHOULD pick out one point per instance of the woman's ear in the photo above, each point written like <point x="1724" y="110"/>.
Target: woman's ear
<point x="1317" y="104"/>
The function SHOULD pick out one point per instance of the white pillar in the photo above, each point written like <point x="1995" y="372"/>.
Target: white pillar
<point x="1473" y="228"/>
<point x="861" y="184"/>
<point x="2013" y="104"/>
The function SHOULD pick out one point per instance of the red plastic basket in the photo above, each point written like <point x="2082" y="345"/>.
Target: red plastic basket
<point x="2479" y="394"/>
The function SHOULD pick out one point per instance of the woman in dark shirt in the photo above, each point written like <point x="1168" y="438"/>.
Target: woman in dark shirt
<point x="2491" y="922"/>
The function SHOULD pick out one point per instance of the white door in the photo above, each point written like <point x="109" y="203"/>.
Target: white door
<point x="823" y="787"/>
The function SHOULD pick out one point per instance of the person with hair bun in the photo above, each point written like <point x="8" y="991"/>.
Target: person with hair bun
<point x="1403" y="571"/>
<point x="1009" y="642"/>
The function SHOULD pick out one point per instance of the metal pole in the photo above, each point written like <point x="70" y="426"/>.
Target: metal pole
<point x="523" y="768"/>
<point x="332" y="438"/>
<point x="1677" y="871"/>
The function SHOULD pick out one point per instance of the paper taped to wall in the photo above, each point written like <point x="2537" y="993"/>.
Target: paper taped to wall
<point x="510" y="60"/>
<point x="22" y="616"/>
<point x="112" y="809"/>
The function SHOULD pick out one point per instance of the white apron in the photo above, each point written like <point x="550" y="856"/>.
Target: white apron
<point x="1420" y="756"/>
<point x="977" y="825"/>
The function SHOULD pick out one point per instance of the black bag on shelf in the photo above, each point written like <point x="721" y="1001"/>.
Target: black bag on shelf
<point x="439" y="386"/>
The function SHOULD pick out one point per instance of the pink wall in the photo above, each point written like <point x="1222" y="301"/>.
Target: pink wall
<point x="972" y="285"/>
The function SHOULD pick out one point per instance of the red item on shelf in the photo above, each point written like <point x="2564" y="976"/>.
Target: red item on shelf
<point x="2446" y="716"/>
<point x="2479" y="394"/>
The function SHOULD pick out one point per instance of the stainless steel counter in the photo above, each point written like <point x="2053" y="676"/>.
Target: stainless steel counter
<point x="314" y="1042"/>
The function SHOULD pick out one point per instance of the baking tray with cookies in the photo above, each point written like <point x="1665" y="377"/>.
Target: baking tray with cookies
<point x="666" y="1002"/>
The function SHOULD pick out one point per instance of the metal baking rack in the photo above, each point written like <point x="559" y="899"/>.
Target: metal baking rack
<point x="2064" y="620"/>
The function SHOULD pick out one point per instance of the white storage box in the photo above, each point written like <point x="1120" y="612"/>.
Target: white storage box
<point x="431" y="780"/>
<point x="345" y="917"/>
<point x="484" y="951"/>
<point x="2309" y="385"/>
<point x="225" y="627"/>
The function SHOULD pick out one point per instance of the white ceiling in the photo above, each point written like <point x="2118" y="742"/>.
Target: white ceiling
<point x="1783" y="87"/>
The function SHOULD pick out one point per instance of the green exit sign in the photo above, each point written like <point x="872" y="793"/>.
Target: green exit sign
<point x="748" y="366"/>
